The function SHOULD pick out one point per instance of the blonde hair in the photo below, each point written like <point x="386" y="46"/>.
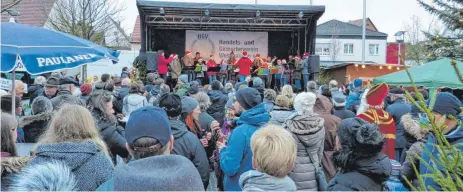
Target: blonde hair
<point x="274" y="151"/>
<point x="283" y="101"/>
<point x="287" y="91"/>
<point x="72" y="123"/>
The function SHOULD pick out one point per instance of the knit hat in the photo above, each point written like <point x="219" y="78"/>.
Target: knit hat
<point x="6" y="101"/>
<point x="248" y="97"/>
<point x="189" y="104"/>
<point x="306" y="54"/>
<point x="151" y="122"/>
<point x="257" y="81"/>
<point x="85" y="89"/>
<point x="171" y="103"/>
<point x="357" y="134"/>
<point x="304" y="102"/>
<point x="187" y="52"/>
<point x="193" y="90"/>
<point x="339" y="100"/>
<point x="183" y="78"/>
<point x="447" y="104"/>
<point x="41" y="104"/>
<point x="282" y="101"/>
<point x="358" y="82"/>
<point x="158" y="173"/>
<point x="150" y="77"/>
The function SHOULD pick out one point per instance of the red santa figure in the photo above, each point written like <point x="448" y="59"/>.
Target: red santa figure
<point x="372" y="110"/>
<point x="244" y="64"/>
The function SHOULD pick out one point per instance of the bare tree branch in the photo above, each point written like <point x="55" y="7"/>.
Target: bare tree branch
<point x="9" y="5"/>
<point x="335" y="44"/>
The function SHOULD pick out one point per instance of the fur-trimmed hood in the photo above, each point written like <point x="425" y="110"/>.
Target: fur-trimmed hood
<point x="49" y="176"/>
<point x="13" y="164"/>
<point x="26" y="120"/>
<point x="412" y="127"/>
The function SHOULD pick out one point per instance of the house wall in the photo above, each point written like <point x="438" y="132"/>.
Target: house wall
<point x="135" y="46"/>
<point x="357" y="54"/>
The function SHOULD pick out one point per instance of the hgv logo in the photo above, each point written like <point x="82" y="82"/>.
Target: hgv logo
<point x="203" y="36"/>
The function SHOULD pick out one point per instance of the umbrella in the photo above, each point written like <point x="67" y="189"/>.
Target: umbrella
<point x="434" y="75"/>
<point x="39" y="50"/>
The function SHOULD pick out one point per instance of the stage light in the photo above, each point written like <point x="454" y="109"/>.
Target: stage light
<point x="363" y="66"/>
<point x="257" y="13"/>
<point x="301" y="14"/>
<point x="380" y="67"/>
<point x="161" y="11"/>
<point x="206" y="13"/>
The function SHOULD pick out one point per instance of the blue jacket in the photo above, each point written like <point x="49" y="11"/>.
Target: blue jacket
<point x="398" y="109"/>
<point x="454" y="137"/>
<point x="236" y="158"/>
<point x="305" y="66"/>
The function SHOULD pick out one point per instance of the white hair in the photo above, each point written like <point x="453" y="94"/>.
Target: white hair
<point x="40" y="80"/>
<point x="304" y="102"/>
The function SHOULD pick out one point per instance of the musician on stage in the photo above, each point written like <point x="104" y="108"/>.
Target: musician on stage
<point x="297" y="74"/>
<point x="212" y="75"/>
<point x="244" y="64"/>
<point x="285" y="72"/>
<point x="305" y="69"/>
<point x="188" y="61"/>
<point x="267" y="75"/>
<point x="223" y="73"/>
<point x="231" y="66"/>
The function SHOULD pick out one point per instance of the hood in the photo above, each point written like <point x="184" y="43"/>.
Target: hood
<point x="178" y="128"/>
<point x="155" y="89"/>
<point x="34" y="87"/>
<point x="215" y="95"/>
<point x="49" y="176"/>
<point x="378" y="168"/>
<point x="257" y="181"/>
<point x="257" y="116"/>
<point x="280" y="114"/>
<point x="13" y="164"/>
<point x="124" y="91"/>
<point x="74" y="154"/>
<point x="26" y="120"/>
<point x="323" y="105"/>
<point x="135" y="99"/>
<point x="308" y="129"/>
<point x="456" y="134"/>
<point x="412" y="127"/>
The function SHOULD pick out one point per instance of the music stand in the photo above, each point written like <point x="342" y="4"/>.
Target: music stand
<point x="213" y="69"/>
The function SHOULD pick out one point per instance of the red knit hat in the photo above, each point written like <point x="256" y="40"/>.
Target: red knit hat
<point x="245" y="53"/>
<point x="187" y="52"/>
<point x="376" y="95"/>
<point x="85" y="89"/>
<point x="306" y="54"/>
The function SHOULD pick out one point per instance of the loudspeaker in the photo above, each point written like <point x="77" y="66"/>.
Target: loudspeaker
<point x="152" y="61"/>
<point x="314" y="62"/>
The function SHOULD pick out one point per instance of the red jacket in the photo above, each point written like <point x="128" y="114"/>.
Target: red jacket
<point x="211" y="63"/>
<point x="162" y="64"/>
<point x="245" y="66"/>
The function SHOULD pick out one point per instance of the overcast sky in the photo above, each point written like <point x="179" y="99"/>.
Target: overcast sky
<point x="387" y="15"/>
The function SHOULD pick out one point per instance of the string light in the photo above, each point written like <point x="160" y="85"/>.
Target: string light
<point x="380" y="67"/>
<point x="363" y="66"/>
<point x="356" y="65"/>
<point x="398" y="68"/>
<point x="390" y="67"/>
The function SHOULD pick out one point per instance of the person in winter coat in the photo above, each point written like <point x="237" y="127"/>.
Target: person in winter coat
<point x="281" y="111"/>
<point x="340" y="111"/>
<point x="211" y="63"/>
<point x="73" y="139"/>
<point x="274" y="154"/>
<point x="118" y="102"/>
<point x="309" y="133"/>
<point x="133" y="101"/>
<point x="259" y="85"/>
<point x="287" y="91"/>
<point x="269" y="99"/>
<point x="162" y="64"/>
<point x="306" y="69"/>
<point x="49" y="176"/>
<point x="37" y="88"/>
<point x="150" y="82"/>
<point x="356" y="92"/>
<point x="244" y="64"/>
<point x="186" y="142"/>
<point x="236" y="157"/>
<point x="64" y="96"/>
<point x="446" y="105"/>
<point x="152" y="167"/>
<point x="175" y="69"/>
<point x="207" y="121"/>
<point x="218" y="99"/>
<point x="11" y="168"/>
<point x="189" y="61"/>
<point x="416" y="137"/>
<point x="152" y="91"/>
<point x="182" y="86"/>
<point x="398" y="109"/>
<point x="101" y="108"/>
<point x="85" y="89"/>
<point x="323" y="108"/>
<point x="362" y="166"/>
<point x="35" y="124"/>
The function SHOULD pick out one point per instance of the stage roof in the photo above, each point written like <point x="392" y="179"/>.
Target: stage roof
<point x="236" y="17"/>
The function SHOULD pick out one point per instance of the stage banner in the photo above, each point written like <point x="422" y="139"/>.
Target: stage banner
<point x="222" y="43"/>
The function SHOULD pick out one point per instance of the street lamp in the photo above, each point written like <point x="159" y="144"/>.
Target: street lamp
<point x="399" y="38"/>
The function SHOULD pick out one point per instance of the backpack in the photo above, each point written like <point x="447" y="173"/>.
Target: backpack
<point x="152" y="96"/>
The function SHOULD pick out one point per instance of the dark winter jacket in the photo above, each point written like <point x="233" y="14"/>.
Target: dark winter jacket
<point x="217" y="108"/>
<point x="34" y="126"/>
<point x="119" y="96"/>
<point x="188" y="145"/>
<point x="90" y="166"/>
<point x="182" y="89"/>
<point x="279" y="115"/>
<point x="149" y="86"/>
<point x="112" y="134"/>
<point x="343" y="113"/>
<point x="35" y="90"/>
<point x="65" y="97"/>
<point x="11" y="166"/>
<point x="367" y="174"/>
<point x="205" y="121"/>
<point x="397" y="110"/>
<point x="323" y="107"/>
<point x="309" y="133"/>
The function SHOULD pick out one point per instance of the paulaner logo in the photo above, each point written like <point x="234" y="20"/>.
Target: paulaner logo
<point x="63" y="60"/>
<point x="203" y="36"/>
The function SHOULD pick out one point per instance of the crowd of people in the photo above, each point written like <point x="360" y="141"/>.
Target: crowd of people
<point x="117" y="134"/>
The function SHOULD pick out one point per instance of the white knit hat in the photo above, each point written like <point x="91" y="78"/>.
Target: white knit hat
<point x="304" y="102"/>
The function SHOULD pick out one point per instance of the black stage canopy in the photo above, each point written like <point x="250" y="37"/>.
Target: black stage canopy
<point x="299" y="21"/>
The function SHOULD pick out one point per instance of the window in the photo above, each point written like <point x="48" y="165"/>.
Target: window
<point x="348" y="49"/>
<point x="374" y="49"/>
<point x="322" y="49"/>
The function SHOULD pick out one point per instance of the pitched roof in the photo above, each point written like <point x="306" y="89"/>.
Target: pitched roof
<point x="32" y="12"/>
<point x="370" y="24"/>
<point x="345" y="29"/>
<point x="135" y="37"/>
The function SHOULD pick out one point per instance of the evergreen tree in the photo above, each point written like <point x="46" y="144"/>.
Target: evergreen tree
<point x="449" y="11"/>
